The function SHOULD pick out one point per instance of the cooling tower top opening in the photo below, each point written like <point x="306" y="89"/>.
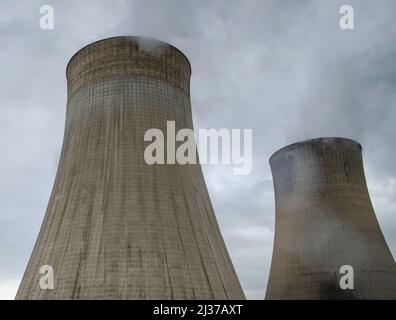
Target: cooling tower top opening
<point x="127" y="56"/>
<point x="334" y="142"/>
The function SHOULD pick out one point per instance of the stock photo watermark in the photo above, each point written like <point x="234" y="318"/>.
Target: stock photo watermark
<point x="347" y="19"/>
<point x="211" y="143"/>
<point x="47" y="279"/>
<point x="347" y="280"/>
<point x="47" y="19"/>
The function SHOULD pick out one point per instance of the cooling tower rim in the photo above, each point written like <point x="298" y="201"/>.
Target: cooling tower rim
<point x="125" y="37"/>
<point x="295" y="145"/>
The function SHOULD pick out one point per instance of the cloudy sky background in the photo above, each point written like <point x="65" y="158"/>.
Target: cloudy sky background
<point x="283" y="68"/>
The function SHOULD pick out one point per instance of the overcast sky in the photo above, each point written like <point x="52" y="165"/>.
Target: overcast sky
<point x="282" y="68"/>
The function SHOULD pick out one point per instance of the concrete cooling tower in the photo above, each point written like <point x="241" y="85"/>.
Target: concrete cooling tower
<point x="116" y="227"/>
<point x="325" y="220"/>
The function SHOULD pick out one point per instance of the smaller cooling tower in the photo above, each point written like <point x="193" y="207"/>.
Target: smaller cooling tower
<point x="325" y="220"/>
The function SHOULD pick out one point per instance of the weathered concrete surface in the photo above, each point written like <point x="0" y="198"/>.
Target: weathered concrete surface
<point x="324" y="219"/>
<point x="115" y="227"/>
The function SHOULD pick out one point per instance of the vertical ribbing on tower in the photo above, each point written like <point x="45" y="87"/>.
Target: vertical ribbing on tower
<point x="116" y="227"/>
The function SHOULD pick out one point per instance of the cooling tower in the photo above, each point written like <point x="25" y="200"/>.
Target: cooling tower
<point x="324" y="220"/>
<point x="116" y="227"/>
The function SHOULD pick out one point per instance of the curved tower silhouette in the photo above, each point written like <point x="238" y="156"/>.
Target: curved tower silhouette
<point x="116" y="227"/>
<point x="325" y="220"/>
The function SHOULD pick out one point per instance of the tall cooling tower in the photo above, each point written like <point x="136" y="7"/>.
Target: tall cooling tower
<point x="116" y="227"/>
<point x="325" y="220"/>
